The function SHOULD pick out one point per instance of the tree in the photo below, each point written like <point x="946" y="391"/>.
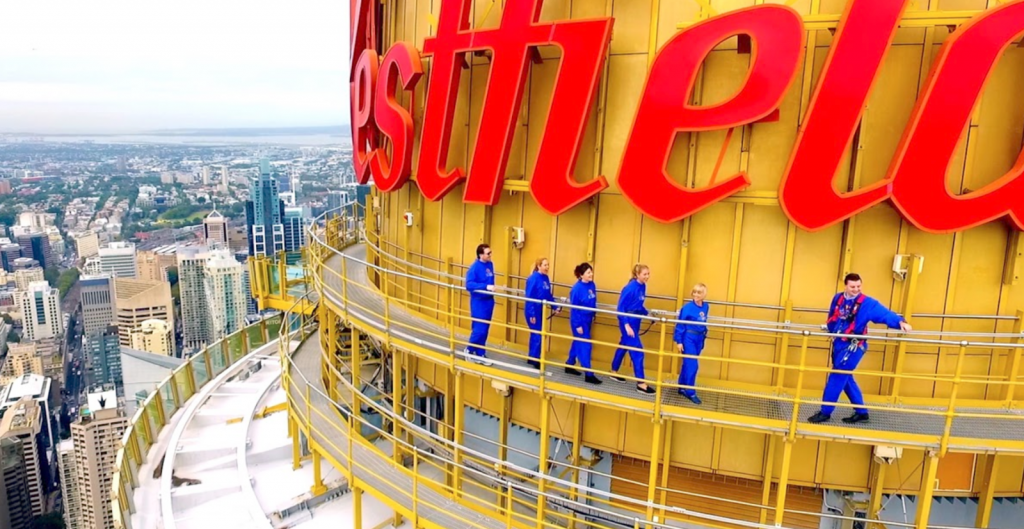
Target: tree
<point x="13" y="337"/>
<point x="172" y="275"/>
<point x="67" y="280"/>
<point x="52" y="275"/>
<point x="51" y="520"/>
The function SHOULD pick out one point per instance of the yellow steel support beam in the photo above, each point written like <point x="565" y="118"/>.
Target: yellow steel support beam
<point x="294" y="433"/>
<point x="986" y="496"/>
<point x="357" y="507"/>
<point x="1013" y="362"/>
<point x="907" y="305"/>
<point x="459" y="418"/>
<point x="877" y="491"/>
<point x="780" y="495"/>
<point x="924" y="497"/>
<point x="542" y="458"/>
<point x="666" y="460"/>
<point x="734" y="271"/>
<point x="652" y="479"/>
<point x="504" y="414"/>
<point x="396" y="401"/>
<point x="356" y="363"/>
<point x="318" y="482"/>
<point x="577" y="442"/>
<point x="766" y="485"/>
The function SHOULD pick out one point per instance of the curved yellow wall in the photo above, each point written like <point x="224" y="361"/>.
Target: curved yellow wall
<point x="744" y="248"/>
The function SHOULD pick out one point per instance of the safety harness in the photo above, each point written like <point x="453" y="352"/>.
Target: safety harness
<point x="853" y="313"/>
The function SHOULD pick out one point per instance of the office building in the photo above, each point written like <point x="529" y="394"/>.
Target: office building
<point x="36" y="244"/>
<point x="118" y="259"/>
<point x="295" y="223"/>
<point x="238" y="239"/>
<point x="40" y="311"/>
<point x="140" y="300"/>
<point x="5" y="186"/>
<point x="15" y="503"/>
<point x="195" y="322"/>
<point x="24" y="263"/>
<point x="22" y="359"/>
<point x="264" y="214"/>
<point x="24" y="421"/>
<point x="103" y="349"/>
<point x="70" y="497"/>
<point x="215" y="230"/>
<point x="97" y="299"/>
<point x="226" y="297"/>
<point x="8" y="253"/>
<point x="153" y="336"/>
<point x="25" y="276"/>
<point x="87" y="244"/>
<point x="96" y="438"/>
<point x="224" y="179"/>
<point x="142" y="371"/>
<point x="206" y="175"/>
<point x="153" y="263"/>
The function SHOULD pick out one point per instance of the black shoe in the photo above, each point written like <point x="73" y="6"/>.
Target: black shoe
<point x="591" y="379"/>
<point x="856" y="418"/>
<point x="617" y="378"/>
<point x="819" y="417"/>
<point x="648" y="390"/>
<point x="571" y="371"/>
<point x="534" y="364"/>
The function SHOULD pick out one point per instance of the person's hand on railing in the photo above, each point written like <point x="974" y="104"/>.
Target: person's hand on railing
<point x="905" y="327"/>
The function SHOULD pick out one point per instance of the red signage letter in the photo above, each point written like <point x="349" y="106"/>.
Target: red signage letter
<point x="807" y="193"/>
<point x="364" y="134"/>
<point x="777" y="33"/>
<point x="940" y="117"/>
<point x="401" y="61"/>
<point x="509" y="44"/>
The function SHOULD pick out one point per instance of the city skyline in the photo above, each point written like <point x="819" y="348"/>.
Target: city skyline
<point x="121" y="67"/>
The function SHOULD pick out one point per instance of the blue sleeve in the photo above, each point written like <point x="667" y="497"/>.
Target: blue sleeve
<point x="871" y="311"/>
<point x="474" y="281"/>
<point x="531" y="287"/>
<point x="642" y="309"/>
<point x="625" y="300"/>
<point x="680" y="331"/>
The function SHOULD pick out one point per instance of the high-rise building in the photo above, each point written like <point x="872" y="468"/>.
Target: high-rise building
<point x="152" y="264"/>
<point x="215" y="230"/>
<point x="195" y="322"/>
<point x="206" y="175"/>
<point x="103" y="349"/>
<point x="40" y="311"/>
<point x="225" y="296"/>
<point x="15" y="504"/>
<point x="24" y="263"/>
<point x="5" y="186"/>
<point x="264" y="214"/>
<point x="97" y="298"/>
<point x="238" y="239"/>
<point x="24" y="421"/>
<point x="143" y="371"/>
<point x="22" y="359"/>
<point x="96" y="438"/>
<point x="153" y="336"/>
<point x="36" y="244"/>
<point x="8" y="253"/>
<point x="87" y="244"/>
<point x="70" y="498"/>
<point x="295" y="222"/>
<point x="25" y="276"/>
<point x="118" y="259"/>
<point x="140" y="300"/>
<point x="224" y="179"/>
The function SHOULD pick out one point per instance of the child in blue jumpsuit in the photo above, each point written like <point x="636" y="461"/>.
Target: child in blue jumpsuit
<point x="689" y="339"/>
<point x="538" y="287"/>
<point x="631" y="301"/>
<point x="480" y="283"/>
<point x="849" y="313"/>
<point x="583" y="294"/>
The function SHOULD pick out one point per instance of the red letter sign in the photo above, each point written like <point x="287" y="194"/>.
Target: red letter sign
<point x="401" y="61"/>
<point x="364" y="134"/>
<point x="940" y="117"/>
<point x="777" y="33"/>
<point x="807" y="193"/>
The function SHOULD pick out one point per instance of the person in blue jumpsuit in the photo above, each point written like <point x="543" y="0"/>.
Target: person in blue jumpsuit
<point x="480" y="284"/>
<point x="538" y="289"/>
<point x="631" y="301"/>
<point x="689" y="339"/>
<point x="850" y="313"/>
<point x="582" y="296"/>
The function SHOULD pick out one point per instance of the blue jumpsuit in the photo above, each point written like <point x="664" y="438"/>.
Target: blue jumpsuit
<point x="582" y="295"/>
<point x="538" y="287"/>
<point x="692" y="338"/>
<point x="631" y="301"/>
<point x="481" y="304"/>
<point x="846" y="353"/>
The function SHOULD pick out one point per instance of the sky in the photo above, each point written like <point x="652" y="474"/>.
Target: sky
<point x="108" y="66"/>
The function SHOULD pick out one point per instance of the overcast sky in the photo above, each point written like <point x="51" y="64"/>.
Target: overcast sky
<point x="118" y="65"/>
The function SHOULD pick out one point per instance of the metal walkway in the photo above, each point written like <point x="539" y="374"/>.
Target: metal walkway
<point x="719" y="408"/>
<point x="378" y="472"/>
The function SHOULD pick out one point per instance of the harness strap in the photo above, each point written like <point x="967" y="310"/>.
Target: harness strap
<point x="853" y="313"/>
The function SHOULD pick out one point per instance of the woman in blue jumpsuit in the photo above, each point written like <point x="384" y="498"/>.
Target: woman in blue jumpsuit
<point x="583" y="294"/>
<point x="538" y="288"/>
<point x="689" y="339"/>
<point x="631" y="301"/>
<point x="480" y="284"/>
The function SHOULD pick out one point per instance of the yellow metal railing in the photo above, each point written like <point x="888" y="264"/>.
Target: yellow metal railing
<point x="170" y="396"/>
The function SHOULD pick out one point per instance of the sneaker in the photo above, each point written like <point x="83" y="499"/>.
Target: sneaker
<point x="694" y="399"/>
<point x="648" y="390"/>
<point x="534" y="364"/>
<point x="819" y="417"/>
<point x="617" y="378"/>
<point x="591" y="379"/>
<point x="856" y="418"/>
<point x="480" y="360"/>
<point x="571" y="371"/>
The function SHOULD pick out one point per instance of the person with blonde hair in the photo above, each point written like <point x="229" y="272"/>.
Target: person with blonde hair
<point x="631" y="304"/>
<point x="538" y="290"/>
<point x="689" y="338"/>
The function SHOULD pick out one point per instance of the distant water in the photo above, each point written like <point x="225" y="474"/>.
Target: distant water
<point x="319" y="140"/>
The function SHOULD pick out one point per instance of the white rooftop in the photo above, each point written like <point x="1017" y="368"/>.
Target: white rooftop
<point x="35" y="386"/>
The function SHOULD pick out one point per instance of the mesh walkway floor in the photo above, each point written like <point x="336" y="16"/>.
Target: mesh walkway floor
<point x="724" y="408"/>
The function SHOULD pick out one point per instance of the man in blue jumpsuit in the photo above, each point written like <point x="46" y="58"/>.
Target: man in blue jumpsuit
<point x="631" y="301"/>
<point x="689" y="339"/>
<point x="480" y="283"/>
<point x="850" y="313"/>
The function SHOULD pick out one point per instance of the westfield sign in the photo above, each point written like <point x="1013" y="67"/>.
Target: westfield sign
<point x="383" y="135"/>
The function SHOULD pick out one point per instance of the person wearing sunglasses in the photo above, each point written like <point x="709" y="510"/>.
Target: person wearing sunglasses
<point x="631" y="301"/>
<point x="480" y="284"/>
<point x="689" y="339"/>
